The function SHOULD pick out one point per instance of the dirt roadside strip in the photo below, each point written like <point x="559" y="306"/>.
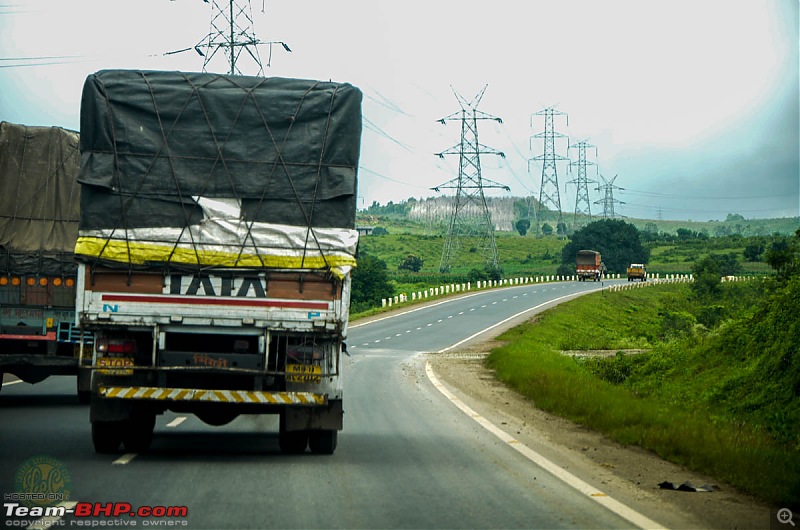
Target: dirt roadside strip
<point x="625" y="473"/>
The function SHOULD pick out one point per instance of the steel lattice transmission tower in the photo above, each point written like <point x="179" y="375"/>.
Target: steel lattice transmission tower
<point x="470" y="215"/>
<point x="582" y="203"/>
<point x="607" y="191"/>
<point x="549" y="197"/>
<point x="232" y="36"/>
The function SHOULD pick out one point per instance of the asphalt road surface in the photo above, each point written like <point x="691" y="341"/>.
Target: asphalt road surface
<point x="408" y="456"/>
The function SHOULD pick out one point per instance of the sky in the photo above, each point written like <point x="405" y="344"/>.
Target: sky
<point x="693" y="105"/>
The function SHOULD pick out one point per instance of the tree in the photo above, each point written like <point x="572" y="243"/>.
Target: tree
<point x="522" y="226"/>
<point x="619" y="243"/>
<point x="370" y="283"/>
<point x="411" y="263"/>
<point x="754" y="250"/>
<point x="707" y="277"/>
<point x="547" y="229"/>
<point x="783" y="256"/>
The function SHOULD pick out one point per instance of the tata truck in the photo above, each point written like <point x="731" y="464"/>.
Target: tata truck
<point x="215" y="247"/>
<point x="39" y="208"/>
<point x="589" y="266"/>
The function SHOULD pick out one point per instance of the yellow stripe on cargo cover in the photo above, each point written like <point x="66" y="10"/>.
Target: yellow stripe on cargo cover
<point x="216" y="396"/>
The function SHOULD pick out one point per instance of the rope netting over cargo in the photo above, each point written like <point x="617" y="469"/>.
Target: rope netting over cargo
<point x="39" y="200"/>
<point x="199" y="170"/>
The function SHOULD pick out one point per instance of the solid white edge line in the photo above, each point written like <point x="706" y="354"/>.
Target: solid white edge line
<point x="512" y="317"/>
<point x="46" y="523"/>
<point x="12" y="382"/>
<point x="446" y="301"/>
<point x="124" y="459"/>
<point x="560" y="473"/>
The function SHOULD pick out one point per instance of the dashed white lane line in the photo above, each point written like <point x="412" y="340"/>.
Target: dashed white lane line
<point x="560" y="473"/>
<point x="534" y="308"/>
<point x="177" y="421"/>
<point x="124" y="459"/>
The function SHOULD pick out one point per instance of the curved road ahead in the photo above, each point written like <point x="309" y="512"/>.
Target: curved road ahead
<point x="408" y="457"/>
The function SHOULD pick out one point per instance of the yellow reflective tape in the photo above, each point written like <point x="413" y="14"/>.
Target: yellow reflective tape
<point x="219" y="396"/>
<point x="139" y="253"/>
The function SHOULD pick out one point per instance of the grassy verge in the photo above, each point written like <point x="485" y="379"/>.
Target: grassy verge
<point x="694" y="397"/>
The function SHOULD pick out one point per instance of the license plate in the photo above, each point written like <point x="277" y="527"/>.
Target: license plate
<point x="115" y="365"/>
<point x="303" y="373"/>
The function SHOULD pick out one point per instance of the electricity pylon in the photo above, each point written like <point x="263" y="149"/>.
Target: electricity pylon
<point x="230" y="35"/>
<point x="582" y="204"/>
<point x="608" y="200"/>
<point x="549" y="197"/>
<point x="470" y="215"/>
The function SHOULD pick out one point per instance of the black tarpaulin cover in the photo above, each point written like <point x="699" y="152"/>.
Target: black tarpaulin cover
<point x="280" y="152"/>
<point x="39" y="199"/>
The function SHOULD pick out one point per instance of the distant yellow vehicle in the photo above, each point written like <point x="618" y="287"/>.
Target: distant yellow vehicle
<point x="637" y="271"/>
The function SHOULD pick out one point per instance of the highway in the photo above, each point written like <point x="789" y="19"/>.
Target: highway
<point x="407" y="458"/>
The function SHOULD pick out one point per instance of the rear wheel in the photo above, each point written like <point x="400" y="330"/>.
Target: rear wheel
<point x="83" y="386"/>
<point x="323" y="442"/>
<point x="137" y="433"/>
<point x="106" y="436"/>
<point x="292" y="442"/>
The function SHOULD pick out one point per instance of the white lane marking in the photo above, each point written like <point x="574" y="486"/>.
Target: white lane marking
<point x="12" y="382"/>
<point x="449" y="300"/>
<point x="177" y="421"/>
<point x="124" y="459"/>
<point x="534" y="308"/>
<point x="46" y="523"/>
<point x="560" y="473"/>
<point x="460" y="312"/>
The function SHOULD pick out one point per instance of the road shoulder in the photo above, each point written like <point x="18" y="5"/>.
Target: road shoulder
<point x="629" y="474"/>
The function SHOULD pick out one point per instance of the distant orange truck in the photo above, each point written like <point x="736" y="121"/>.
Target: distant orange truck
<point x="589" y="265"/>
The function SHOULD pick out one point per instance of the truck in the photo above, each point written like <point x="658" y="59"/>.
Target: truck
<point x="637" y="271"/>
<point x="39" y="208"/>
<point x="589" y="266"/>
<point x="216" y="245"/>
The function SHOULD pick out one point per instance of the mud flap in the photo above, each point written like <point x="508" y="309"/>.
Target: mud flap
<point x="315" y="418"/>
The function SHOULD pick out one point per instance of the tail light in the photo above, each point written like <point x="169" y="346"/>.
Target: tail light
<point x="115" y="347"/>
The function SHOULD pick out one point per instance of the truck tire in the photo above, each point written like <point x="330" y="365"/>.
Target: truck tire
<point x="137" y="433"/>
<point x="106" y="436"/>
<point x="83" y="387"/>
<point x="323" y="442"/>
<point x="292" y="442"/>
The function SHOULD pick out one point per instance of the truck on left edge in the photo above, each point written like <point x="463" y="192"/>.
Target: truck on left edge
<point x="39" y="213"/>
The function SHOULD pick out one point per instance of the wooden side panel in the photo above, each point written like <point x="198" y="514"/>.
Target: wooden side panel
<point x="120" y="282"/>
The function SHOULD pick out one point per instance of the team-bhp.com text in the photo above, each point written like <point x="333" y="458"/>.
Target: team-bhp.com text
<point x="86" y="514"/>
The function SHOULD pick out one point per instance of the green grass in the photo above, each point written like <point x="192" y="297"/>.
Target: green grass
<point x="694" y="397"/>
